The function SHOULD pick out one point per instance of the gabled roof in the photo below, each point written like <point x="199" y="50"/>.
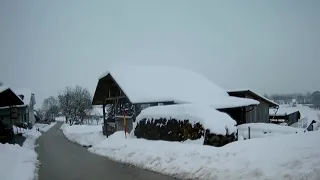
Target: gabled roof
<point x="28" y="95"/>
<point x="253" y="94"/>
<point x="147" y="84"/>
<point x="8" y="97"/>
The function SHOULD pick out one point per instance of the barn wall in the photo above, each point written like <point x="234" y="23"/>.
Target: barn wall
<point x="260" y="113"/>
<point x="293" y="118"/>
<point x="238" y="114"/>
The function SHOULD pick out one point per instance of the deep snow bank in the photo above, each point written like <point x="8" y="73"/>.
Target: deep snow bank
<point x="85" y="135"/>
<point x="294" y="156"/>
<point x="19" y="163"/>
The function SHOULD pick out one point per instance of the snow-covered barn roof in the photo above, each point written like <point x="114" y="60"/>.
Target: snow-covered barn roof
<point x="254" y="94"/>
<point x="147" y="84"/>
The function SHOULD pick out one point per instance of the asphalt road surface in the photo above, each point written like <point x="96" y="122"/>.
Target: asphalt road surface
<point x="63" y="160"/>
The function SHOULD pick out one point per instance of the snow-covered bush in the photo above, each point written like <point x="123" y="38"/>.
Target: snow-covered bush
<point x="183" y="122"/>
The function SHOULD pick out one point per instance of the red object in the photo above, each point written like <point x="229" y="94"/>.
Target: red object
<point x="124" y="112"/>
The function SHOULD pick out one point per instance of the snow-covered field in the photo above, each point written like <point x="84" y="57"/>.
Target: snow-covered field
<point x="307" y="115"/>
<point x="19" y="163"/>
<point x="294" y="156"/>
<point x="44" y="127"/>
<point x="85" y="135"/>
<point x="259" y="130"/>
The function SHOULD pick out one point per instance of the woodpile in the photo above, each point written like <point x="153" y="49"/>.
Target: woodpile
<point x="178" y="130"/>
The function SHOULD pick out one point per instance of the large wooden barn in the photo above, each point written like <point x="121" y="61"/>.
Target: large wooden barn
<point x="143" y="86"/>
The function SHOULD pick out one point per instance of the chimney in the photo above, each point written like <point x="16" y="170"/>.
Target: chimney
<point x="21" y="96"/>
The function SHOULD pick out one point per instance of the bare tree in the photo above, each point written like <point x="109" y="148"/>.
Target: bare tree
<point x="65" y="101"/>
<point x="75" y="103"/>
<point x="40" y="113"/>
<point x="50" y="107"/>
<point x="82" y="102"/>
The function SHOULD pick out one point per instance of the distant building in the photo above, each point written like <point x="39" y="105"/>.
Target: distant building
<point x="284" y="115"/>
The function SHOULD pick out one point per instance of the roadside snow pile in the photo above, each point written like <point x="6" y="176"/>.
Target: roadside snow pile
<point x="44" y="127"/>
<point x="260" y="130"/>
<point x="85" y="135"/>
<point x="31" y="137"/>
<point x="295" y="157"/>
<point x="217" y="122"/>
<point x="19" y="163"/>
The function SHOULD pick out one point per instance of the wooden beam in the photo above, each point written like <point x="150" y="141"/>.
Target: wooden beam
<point x="114" y="98"/>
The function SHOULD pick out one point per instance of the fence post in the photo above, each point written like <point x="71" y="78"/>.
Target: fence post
<point x="237" y="134"/>
<point x="249" y="135"/>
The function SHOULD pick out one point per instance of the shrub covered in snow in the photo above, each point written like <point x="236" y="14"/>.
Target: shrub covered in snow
<point x="183" y="122"/>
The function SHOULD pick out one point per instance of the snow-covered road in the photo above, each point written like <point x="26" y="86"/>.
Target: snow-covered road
<point x="62" y="159"/>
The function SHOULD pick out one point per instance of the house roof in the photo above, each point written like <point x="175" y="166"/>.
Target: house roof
<point x="253" y="94"/>
<point x="3" y="88"/>
<point x="27" y="93"/>
<point x="8" y="97"/>
<point x="147" y="84"/>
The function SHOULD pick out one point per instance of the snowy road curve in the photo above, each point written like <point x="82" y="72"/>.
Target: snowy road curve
<point x="62" y="159"/>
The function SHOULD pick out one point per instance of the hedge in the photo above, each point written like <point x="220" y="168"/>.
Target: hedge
<point x="178" y="130"/>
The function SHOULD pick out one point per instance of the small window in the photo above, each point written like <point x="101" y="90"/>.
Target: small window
<point x="160" y="104"/>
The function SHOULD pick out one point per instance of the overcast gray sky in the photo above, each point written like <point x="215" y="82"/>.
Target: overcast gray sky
<point x="268" y="46"/>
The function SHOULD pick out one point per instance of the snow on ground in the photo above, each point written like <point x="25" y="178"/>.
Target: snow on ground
<point x="19" y="163"/>
<point x="44" y="127"/>
<point x="31" y="137"/>
<point x="307" y="115"/>
<point x="85" y="135"/>
<point x="259" y="130"/>
<point x="294" y="157"/>
<point x="217" y="122"/>
<point x="60" y="118"/>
